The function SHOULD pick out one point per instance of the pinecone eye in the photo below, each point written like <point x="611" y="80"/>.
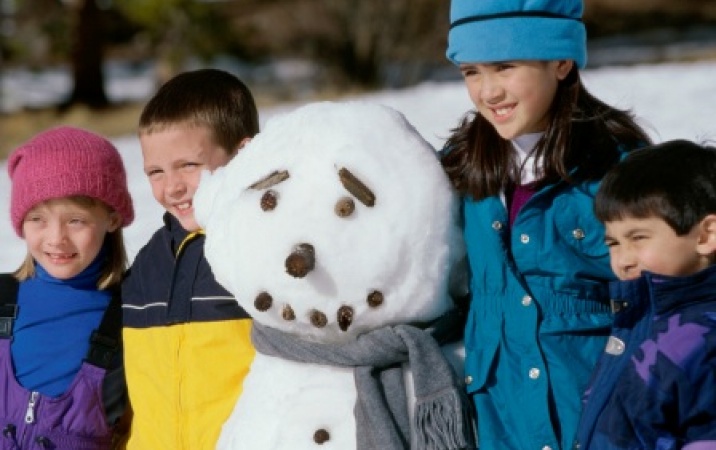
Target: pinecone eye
<point x="269" y="200"/>
<point x="344" y="207"/>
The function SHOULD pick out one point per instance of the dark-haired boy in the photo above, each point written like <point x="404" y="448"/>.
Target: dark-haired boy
<point x="655" y="386"/>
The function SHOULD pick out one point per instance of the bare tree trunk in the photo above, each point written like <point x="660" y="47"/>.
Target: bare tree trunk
<point x="87" y="58"/>
<point x="375" y="34"/>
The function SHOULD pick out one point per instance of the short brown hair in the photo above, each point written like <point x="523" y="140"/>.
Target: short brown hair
<point x="210" y="98"/>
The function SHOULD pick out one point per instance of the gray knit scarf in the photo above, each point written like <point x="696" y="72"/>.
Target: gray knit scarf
<point x="442" y="419"/>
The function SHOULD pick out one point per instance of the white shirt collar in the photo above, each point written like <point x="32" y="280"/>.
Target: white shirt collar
<point x="524" y="145"/>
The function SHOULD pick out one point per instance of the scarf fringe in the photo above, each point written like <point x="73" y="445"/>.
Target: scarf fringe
<point x="443" y="422"/>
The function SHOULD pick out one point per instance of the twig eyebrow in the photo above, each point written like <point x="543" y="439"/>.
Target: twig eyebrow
<point x="356" y="187"/>
<point x="270" y="180"/>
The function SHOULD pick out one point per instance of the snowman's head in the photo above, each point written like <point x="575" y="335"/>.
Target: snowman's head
<point x="336" y="219"/>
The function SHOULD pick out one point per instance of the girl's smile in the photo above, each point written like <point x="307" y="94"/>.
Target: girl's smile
<point x="64" y="237"/>
<point x="516" y="96"/>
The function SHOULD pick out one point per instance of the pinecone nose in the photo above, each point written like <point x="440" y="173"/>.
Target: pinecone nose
<point x="301" y="261"/>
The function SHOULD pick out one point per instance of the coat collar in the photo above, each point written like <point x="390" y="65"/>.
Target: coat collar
<point x="661" y="293"/>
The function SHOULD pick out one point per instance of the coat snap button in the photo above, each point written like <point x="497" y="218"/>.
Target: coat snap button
<point x="615" y="346"/>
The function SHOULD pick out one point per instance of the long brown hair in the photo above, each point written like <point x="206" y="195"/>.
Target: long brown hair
<point x="584" y="133"/>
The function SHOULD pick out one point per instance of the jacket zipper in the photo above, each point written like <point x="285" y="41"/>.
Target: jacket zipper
<point x="30" y="414"/>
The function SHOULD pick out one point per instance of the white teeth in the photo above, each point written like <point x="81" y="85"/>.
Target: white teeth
<point x="55" y="256"/>
<point x="183" y="206"/>
<point x="503" y="111"/>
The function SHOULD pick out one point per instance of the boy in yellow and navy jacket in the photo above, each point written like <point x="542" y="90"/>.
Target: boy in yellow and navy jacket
<point x="187" y="345"/>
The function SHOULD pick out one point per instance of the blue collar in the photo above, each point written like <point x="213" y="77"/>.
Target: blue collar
<point x="663" y="293"/>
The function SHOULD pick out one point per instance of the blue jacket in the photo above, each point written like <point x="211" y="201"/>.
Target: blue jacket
<point x="655" y="386"/>
<point x="539" y="315"/>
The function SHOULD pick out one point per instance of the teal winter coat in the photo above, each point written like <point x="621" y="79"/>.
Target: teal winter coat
<point x="539" y="315"/>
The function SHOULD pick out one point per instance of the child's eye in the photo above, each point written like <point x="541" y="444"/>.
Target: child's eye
<point x="503" y="66"/>
<point x="468" y="71"/>
<point x="190" y="166"/>
<point x="153" y="173"/>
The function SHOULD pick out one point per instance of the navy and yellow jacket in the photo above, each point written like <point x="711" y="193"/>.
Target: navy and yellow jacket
<point x="186" y="344"/>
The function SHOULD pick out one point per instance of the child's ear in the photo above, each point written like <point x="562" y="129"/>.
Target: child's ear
<point x="115" y="221"/>
<point x="564" y="66"/>
<point x="706" y="244"/>
<point x="243" y="143"/>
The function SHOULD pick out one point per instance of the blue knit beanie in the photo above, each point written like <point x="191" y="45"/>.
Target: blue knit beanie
<point x="484" y="31"/>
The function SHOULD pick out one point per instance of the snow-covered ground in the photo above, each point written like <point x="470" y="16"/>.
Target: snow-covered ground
<point x="671" y="100"/>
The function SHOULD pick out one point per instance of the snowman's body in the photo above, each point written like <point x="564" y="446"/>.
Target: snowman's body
<point x="296" y="404"/>
<point x="336" y="220"/>
<point x="292" y="404"/>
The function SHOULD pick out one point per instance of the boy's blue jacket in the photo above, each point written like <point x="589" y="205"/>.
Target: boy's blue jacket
<point x="539" y="315"/>
<point x="655" y="386"/>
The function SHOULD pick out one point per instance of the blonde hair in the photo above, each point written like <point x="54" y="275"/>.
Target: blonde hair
<point x="116" y="262"/>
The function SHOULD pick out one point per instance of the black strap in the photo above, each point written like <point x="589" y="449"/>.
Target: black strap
<point x="8" y="304"/>
<point x="105" y="341"/>
<point x="512" y="14"/>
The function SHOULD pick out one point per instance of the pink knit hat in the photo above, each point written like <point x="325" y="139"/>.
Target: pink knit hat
<point x="66" y="161"/>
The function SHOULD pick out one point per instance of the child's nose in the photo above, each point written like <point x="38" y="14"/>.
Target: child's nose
<point x="175" y="184"/>
<point x="490" y="89"/>
<point x="625" y="265"/>
<point x="56" y="233"/>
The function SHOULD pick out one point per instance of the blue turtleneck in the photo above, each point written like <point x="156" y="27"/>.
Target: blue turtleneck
<point x="54" y="323"/>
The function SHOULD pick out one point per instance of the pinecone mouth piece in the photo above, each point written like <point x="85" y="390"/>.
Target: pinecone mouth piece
<point x="301" y="261"/>
<point x="345" y="317"/>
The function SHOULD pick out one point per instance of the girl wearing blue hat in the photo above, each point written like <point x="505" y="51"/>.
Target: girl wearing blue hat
<point x="528" y="162"/>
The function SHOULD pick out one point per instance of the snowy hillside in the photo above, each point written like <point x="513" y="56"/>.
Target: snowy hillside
<point x="671" y="100"/>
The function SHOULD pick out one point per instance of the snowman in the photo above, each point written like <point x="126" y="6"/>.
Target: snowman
<point x="336" y="229"/>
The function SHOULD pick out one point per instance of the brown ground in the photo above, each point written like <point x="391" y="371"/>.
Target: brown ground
<point x="16" y="128"/>
<point x="118" y="120"/>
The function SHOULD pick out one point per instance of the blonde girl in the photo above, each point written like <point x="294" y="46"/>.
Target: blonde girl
<point x="61" y="377"/>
